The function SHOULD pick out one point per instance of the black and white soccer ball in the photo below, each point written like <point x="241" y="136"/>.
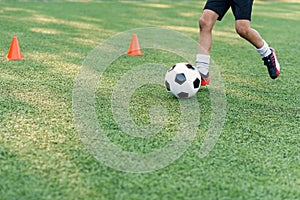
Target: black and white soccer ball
<point x="183" y="80"/>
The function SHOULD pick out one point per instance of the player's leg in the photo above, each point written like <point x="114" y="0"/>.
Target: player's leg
<point x="268" y="54"/>
<point x="242" y="10"/>
<point x="206" y="24"/>
<point x="243" y="28"/>
<point x="213" y="11"/>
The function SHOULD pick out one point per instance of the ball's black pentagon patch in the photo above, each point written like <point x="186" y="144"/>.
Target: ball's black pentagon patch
<point x="183" y="95"/>
<point x="190" y="66"/>
<point x="180" y="78"/>
<point x="196" y="83"/>
<point x="167" y="85"/>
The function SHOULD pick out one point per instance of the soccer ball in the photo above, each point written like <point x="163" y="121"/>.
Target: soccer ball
<point x="183" y="80"/>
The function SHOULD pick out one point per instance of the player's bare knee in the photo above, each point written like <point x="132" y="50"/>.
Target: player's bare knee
<point x="205" y="23"/>
<point x="243" y="31"/>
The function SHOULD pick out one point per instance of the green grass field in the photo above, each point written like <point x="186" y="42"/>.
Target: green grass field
<point x="42" y="156"/>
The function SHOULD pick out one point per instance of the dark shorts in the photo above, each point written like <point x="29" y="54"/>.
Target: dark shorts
<point x="241" y="8"/>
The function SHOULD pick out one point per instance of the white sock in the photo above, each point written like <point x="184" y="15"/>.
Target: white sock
<point x="202" y="63"/>
<point x="265" y="50"/>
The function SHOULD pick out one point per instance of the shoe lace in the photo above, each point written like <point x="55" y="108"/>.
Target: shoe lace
<point x="269" y="61"/>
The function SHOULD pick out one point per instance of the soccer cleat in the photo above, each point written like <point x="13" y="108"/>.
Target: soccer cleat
<point x="205" y="79"/>
<point x="272" y="64"/>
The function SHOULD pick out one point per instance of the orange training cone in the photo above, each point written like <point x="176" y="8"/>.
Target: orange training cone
<point x="14" y="52"/>
<point x="134" y="48"/>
